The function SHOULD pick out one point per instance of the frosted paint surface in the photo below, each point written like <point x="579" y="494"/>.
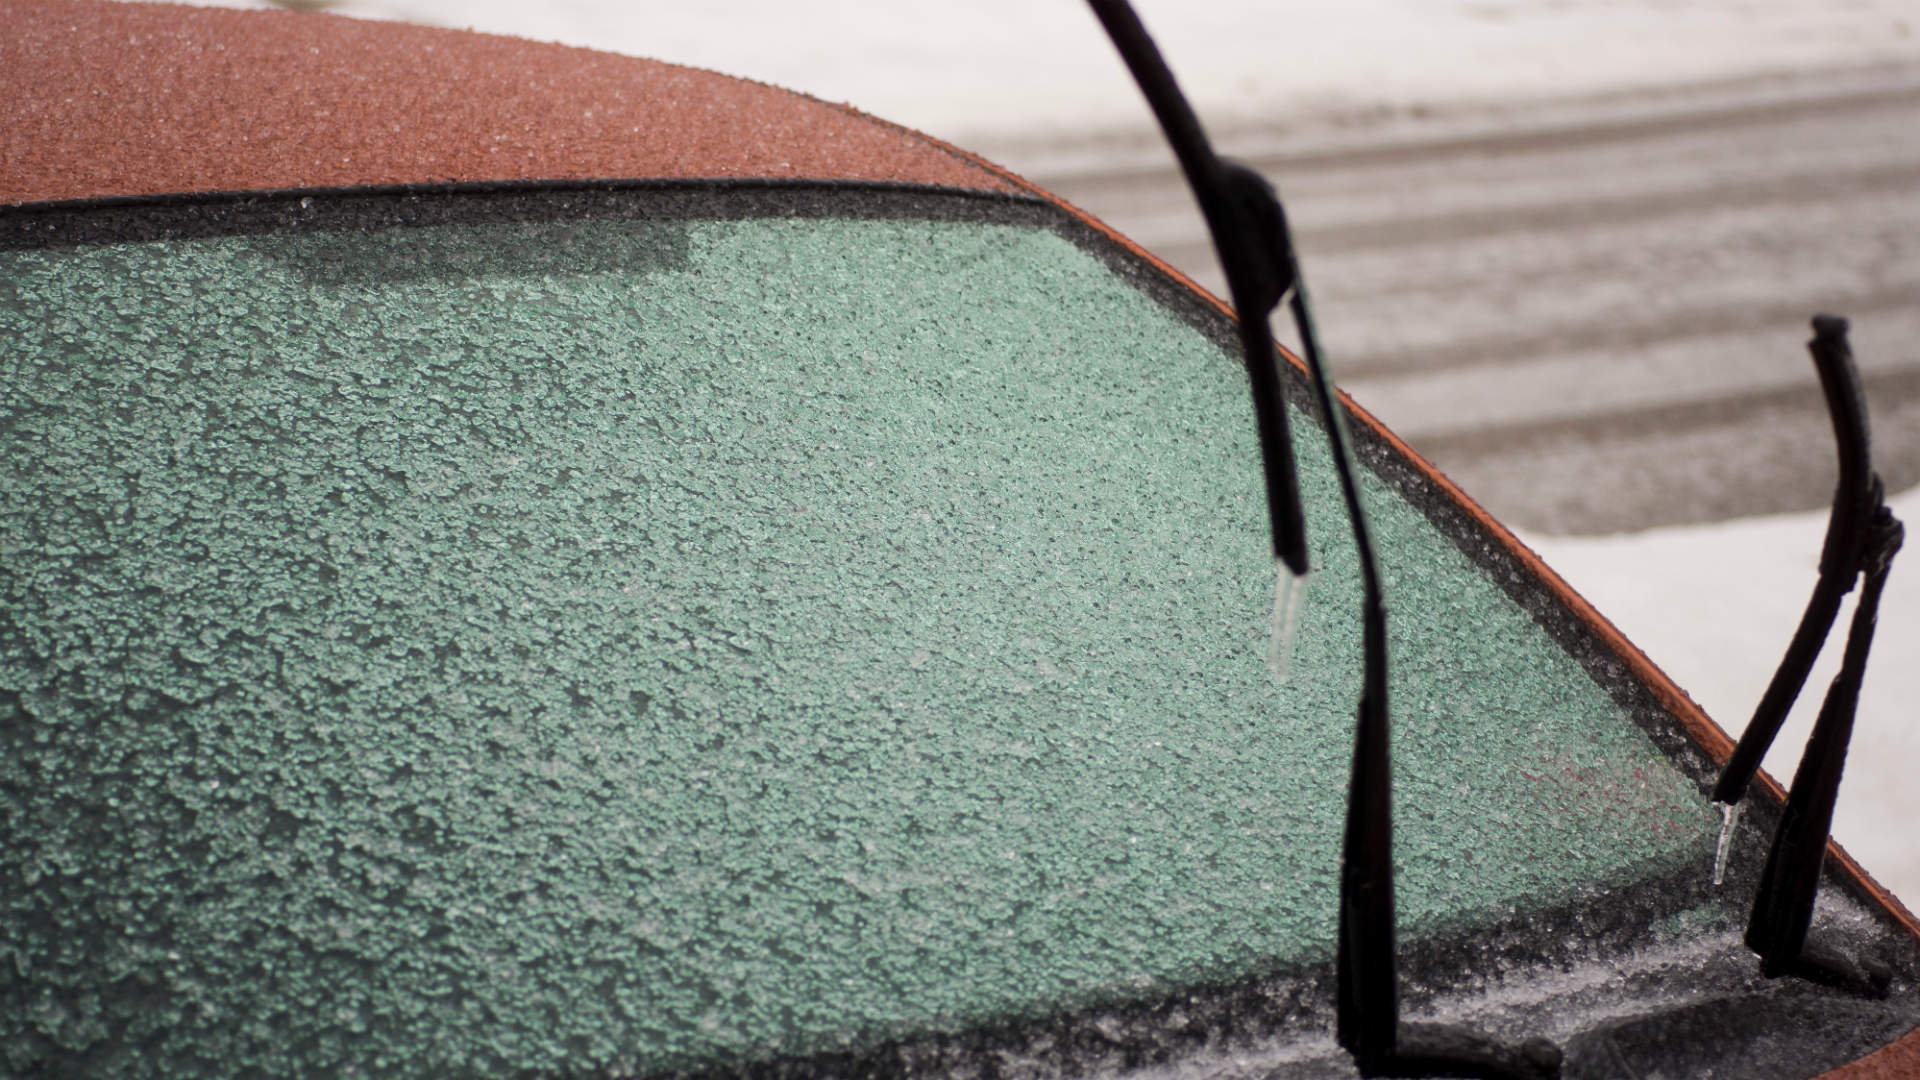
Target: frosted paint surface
<point x="485" y="648"/>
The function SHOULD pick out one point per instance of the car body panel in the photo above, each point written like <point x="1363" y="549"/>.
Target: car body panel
<point x="136" y="99"/>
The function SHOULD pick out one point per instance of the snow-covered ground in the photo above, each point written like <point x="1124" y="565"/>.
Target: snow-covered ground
<point x="1714" y="605"/>
<point x="966" y="69"/>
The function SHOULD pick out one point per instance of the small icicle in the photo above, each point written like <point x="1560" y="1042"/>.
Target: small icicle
<point x="1729" y="817"/>
<point x="1289" y="596"/>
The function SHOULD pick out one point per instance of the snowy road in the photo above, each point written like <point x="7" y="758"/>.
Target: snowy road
<point x="1593" y="317"/>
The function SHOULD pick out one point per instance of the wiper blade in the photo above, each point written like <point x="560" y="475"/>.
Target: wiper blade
<point x="1856" y="498"/>
<point x="1783" y="907"/>
<point x="1249" y="232"/>
<point x="1862" y="538"/>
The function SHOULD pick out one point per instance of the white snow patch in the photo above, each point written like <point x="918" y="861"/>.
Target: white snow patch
<point x="962" y="69"/>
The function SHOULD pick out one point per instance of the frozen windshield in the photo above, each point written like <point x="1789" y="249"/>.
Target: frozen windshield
<point x="524" y="646"/>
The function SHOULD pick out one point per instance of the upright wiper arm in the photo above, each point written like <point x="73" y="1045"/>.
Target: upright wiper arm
<point x="1248" y="231"/>
<point x="1783" y="907"/>
<point x="1862" y="539"/>
<point x="1366" y="968"/>
<point x="1856" y="498"/>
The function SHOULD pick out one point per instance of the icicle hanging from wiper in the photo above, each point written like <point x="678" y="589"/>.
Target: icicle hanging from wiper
<point x="1856" y="499"/>
<point x="1865" y="545"/>
<point x="1250" y="231"/>
<point x="1289" y="596"/>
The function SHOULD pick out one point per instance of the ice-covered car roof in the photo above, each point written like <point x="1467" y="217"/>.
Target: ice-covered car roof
<point x="139" y="99"/>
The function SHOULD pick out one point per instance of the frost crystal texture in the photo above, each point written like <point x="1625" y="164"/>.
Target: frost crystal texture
<point x="545" y="647"/>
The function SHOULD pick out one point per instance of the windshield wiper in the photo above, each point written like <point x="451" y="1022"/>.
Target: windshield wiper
<point x="1862" y="538"/>
<point x="1256" y="250"/>
<point x="1248" y="232"/>
<point x="1856" y="499"/>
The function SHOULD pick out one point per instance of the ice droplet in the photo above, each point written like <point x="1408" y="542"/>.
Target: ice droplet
<point x="1289" y="596"/>
<point x="1729" y="817"/>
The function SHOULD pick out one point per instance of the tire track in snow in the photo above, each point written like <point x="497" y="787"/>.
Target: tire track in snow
<point x="1596" y="322"/>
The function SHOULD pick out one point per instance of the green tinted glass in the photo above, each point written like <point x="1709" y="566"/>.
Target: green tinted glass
<point x="526" y="646"/>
